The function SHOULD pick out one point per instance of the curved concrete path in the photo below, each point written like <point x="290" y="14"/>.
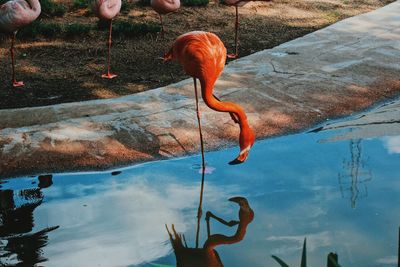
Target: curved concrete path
<point x="332" y="72"/>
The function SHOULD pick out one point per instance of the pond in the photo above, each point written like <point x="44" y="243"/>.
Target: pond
<point x="343" y="196"/>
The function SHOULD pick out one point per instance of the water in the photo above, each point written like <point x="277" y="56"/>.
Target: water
<point x="342" y="196"/>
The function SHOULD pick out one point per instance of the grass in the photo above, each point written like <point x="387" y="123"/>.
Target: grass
<point x="77" y="30"/>
<point x="129" y="28"/>
<point x="51" y="9"/>
<point x="80" y="4"/>
<point x="195" y="2"/>
<point x="53" y="30"/>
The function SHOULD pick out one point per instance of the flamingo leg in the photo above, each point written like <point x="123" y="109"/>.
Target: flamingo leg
<point x="109" y="75"/>
<point x="236" y="34"/>
<point x="162" y="26"/>
<point x="14" y="81"/>
<point x="199" y="210"/>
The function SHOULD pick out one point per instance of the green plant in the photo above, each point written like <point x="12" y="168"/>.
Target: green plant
<point x="332" y="260"/>
<point x="51" y="9"/>
<point x="50" y="29"/>
<point x="31" y="30"/>
<point x="77" y="29"/>
<point x="78" y="4"/>
<point x="195" y="2"/>
<point x="132" y="29"/>
<point x="144" y="2"/>
<point x="124" y="6"/>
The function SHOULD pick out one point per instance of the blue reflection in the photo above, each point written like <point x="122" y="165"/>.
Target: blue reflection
<point x="343" y="196"/>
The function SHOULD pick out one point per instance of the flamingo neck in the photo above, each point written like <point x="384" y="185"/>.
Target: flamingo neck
<point x="207" y="87"/>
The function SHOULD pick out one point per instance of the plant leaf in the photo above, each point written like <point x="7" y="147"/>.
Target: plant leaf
<point x="160" y="265"/>
<point x="281" y="262"/>
<point x="304" y="255"/>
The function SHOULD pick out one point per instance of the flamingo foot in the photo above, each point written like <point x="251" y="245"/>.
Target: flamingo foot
<point x="242" y="156"/>
<point x="16" y="84"/>
<point x="108" y="76"/>
<point x="233" y="56"/>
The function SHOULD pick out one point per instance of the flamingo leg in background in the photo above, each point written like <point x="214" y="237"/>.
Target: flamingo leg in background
<point x="162" y="27"/>
<point x="14" y="81"/>
<point x="236" y="35"/>
<point x="109" y="75"/>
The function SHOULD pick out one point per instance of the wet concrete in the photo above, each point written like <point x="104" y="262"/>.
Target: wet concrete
<point x="332" y="72"/>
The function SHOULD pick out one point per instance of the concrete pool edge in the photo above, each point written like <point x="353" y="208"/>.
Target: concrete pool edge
<point x="333" y="72"/>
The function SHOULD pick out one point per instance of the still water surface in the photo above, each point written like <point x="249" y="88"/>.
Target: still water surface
<point x="343" y="196"/>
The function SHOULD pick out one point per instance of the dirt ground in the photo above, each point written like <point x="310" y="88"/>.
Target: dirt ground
<point x="59" y="71"/>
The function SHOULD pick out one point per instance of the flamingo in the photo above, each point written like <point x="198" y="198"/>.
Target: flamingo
<point x="163" y="7"/>
<point x="207" y="256"/>
<point x="107" y="10"/>
<point x="203" y="55"/>
<point x="15" y="14"/>
<point x="237" y="4"/>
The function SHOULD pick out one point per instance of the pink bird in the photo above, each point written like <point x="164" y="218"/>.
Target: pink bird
<point x="163" y="7"/>
<point x="13" y="15"/>
<point x="107" y="10"/>
<point x="237" y="4"/>
<point x="203" y="55"/>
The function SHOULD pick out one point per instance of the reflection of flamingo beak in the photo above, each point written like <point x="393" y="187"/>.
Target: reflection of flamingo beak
<point x="236" y="199"/>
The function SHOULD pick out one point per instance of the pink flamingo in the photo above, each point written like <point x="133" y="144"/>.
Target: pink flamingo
<point x="163" y="7"/>
<point x="107" y="10"/>
<point x="237" y="4"/>
<point x="203" y="55"/>
<point x="13" y="15"/>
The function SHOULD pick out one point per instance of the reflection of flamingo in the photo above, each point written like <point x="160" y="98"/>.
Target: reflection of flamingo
<point x="203" y="56"/>
<point x="208" y="256"/>
<point x="107" y="10"/>
<point x="14" y="15"/>
<point x="246" y="216"/>
<point x="163" y="7"/>
<point x="237" y="4"/>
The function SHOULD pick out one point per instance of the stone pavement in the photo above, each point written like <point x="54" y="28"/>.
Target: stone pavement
<point x="332" y="72"/>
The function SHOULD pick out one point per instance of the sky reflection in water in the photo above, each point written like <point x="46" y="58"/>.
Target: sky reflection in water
<point x="297" y="186"/>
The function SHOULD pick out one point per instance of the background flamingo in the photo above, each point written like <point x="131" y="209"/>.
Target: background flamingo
<point x="163" y="7"/>
<point x="203" y="55"/>
<point x="107" y="10"/>
<point x="237" y="4"/>
<point x="14" y="15"/>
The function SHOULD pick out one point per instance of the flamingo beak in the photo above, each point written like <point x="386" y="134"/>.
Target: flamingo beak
<point x="236" y="199"/>
<point x="242" y="156"/>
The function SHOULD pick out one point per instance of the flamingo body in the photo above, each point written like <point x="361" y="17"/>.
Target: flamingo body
<point x="165" y="6"/>
<point x="18" y="13"/>
<point x="106" y="9"/>
<point x="15" y="14"/>
<point x="235" y="2"/>
<point x="203" y="56"/>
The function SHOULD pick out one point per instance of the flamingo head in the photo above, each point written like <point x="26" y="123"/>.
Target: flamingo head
<point x="246" y="140"/>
